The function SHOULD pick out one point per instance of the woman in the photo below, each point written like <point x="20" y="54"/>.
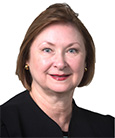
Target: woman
<point x="56" y="56"/>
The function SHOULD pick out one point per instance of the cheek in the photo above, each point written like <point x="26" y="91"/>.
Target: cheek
<point x="78" y="71"/>
<point x="77" y="65"/>
<point x="41" y="64"/>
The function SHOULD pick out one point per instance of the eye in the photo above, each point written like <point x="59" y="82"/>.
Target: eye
<point x="73" y="50"/>
<point x="47" y="50"/>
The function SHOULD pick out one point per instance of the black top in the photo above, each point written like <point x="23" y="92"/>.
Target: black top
<point x="21" y="117"/>
<point x="65" y="133"/>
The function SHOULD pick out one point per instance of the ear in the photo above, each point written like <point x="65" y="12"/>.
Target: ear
<point x="85" y="65"/>
<point x="27" y="62"/>
<point x="26" y="65"/>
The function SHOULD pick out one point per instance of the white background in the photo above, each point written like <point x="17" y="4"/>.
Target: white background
<point x="99" y="18"/>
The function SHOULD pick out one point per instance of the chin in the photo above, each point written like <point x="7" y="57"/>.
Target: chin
<point x="61" y="89"/>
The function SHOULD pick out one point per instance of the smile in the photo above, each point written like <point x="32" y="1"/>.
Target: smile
<point x="60" y="77"/>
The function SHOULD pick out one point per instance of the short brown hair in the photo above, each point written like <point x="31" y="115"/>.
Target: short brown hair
<point x="55" y="13"/>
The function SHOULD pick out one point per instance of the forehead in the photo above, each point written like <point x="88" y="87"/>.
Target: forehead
<point x="60" y="33"/>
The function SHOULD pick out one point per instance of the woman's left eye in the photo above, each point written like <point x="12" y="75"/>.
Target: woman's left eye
<point x="73" y="50"/>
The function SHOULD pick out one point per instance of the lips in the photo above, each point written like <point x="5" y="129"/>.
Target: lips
<point x="60" y="77"/>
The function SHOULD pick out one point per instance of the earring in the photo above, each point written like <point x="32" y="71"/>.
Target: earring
<point x="85" y="69"/>
<point x="26" y="67"/>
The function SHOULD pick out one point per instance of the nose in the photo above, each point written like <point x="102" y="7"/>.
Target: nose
<point x="60" y="62"/>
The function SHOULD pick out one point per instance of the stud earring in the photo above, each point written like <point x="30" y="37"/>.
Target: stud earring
<point x="85" y="69"/>
<point x="26" y="67"/>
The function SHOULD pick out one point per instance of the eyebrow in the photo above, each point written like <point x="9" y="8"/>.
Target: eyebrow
<point x="71" y="44"/>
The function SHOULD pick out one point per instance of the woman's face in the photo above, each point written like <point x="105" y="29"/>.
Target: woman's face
<point x="57" y="58"/>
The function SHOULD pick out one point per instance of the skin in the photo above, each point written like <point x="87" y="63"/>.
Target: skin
<point x="58" y="49"/>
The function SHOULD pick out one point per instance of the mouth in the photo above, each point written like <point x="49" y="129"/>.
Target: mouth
<point x="60" y="77"/>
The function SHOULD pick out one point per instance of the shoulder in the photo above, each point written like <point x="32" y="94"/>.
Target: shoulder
<point x="95" y="117"/>
<point x="15" y="104"/>
<point x="16" y="100"/>
<point x="91" y="115"/>
<point x="12" y="110"/>
<point x="100" y="124"/>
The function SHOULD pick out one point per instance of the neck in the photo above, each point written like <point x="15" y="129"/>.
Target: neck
<point x="58" y="106"/>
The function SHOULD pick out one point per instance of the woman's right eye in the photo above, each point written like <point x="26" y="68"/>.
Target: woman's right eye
<point x="47" y="50"/>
